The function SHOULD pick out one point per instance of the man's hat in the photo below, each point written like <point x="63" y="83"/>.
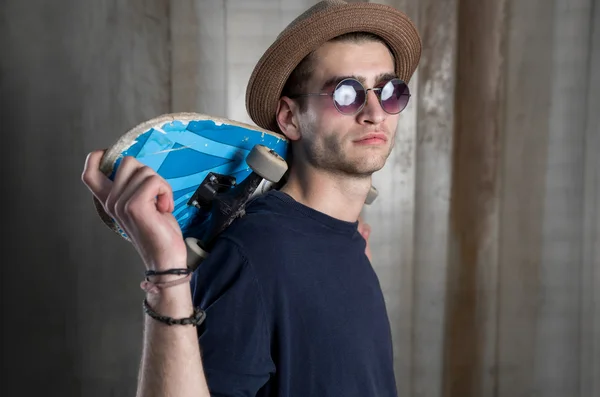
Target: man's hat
<point x="317" y="25"/>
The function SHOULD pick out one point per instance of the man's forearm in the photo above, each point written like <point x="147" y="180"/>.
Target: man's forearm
<point x="171" y="363"/>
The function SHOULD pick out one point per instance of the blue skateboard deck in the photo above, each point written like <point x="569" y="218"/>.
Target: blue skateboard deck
<point x="204" y="159"/>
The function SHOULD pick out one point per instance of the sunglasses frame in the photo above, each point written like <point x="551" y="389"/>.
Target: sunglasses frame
<point x="374" y="89"/>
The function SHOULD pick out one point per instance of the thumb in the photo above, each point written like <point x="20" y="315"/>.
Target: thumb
<point x="364" y="229"/>
<point x="366" y="232"/>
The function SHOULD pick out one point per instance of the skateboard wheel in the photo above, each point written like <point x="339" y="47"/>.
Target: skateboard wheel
<point x="195" y="254"/>
<point x="373" y="193"/>
<point x="266" y="163"/>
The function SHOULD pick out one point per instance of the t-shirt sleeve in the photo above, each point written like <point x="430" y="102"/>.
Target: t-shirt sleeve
<point x="235" y="336"/>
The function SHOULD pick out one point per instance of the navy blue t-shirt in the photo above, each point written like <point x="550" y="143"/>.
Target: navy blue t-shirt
<point x="294" y="307"/>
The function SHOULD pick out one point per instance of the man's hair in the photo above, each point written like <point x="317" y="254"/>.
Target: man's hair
<point x="298" y="80"/>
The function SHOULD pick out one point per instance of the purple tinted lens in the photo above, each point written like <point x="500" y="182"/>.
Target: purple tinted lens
<point x="349" y="96"/>
<point x="394" y="96"/>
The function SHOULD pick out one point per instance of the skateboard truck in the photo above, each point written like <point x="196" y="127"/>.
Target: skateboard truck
<point x="213" y="185"/>
<point x="225" y="199"/>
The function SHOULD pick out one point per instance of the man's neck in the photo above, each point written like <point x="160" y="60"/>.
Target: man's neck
<point x="341" y="197"/>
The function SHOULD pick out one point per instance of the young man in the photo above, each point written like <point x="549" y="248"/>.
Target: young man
<point x="292" y="304"/>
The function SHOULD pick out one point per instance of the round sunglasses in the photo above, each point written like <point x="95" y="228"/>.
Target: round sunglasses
<point x="350" y="96"/>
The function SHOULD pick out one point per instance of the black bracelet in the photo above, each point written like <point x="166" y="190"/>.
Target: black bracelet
<point x="177" y="272"/>
<point x="195" y="319"/>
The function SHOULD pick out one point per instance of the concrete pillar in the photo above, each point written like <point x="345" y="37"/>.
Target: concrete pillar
<point x="470" y="315"/>
<point x="75" y="76"/>
<point x="589" y="343"/>
<point x="557" y="344"/>
<point x="199" y="43"/>
<point x="215" y="47"/>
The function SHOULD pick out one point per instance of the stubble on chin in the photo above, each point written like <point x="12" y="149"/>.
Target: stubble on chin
<point x="339" y="157"/>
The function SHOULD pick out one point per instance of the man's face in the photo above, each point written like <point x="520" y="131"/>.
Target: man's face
<point x="336" y="142"/>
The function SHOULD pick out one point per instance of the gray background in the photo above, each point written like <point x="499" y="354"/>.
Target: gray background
<point x="486" y="234"/>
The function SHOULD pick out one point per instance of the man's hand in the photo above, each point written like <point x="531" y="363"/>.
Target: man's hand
<point x="142" y="203"/>
<point x="365" y="230"/>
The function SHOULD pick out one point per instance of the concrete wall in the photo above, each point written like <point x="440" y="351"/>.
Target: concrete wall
<point x="486" y="231"/>
<point x="75" y="75"/>
<point x="487" y="240"/>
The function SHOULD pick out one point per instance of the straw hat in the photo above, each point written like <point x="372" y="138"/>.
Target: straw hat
<point x="320" y="23"/>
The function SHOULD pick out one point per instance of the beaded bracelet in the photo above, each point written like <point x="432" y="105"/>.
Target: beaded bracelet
<point x="195" y="319"/>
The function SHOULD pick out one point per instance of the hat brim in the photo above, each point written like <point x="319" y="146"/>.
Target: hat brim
<point x="293" y="45"/>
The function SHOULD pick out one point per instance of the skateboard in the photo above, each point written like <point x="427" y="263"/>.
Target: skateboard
<point x="213" y="165"/>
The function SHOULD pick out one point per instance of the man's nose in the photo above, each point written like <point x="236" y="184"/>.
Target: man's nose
<point x="372" y="112"/>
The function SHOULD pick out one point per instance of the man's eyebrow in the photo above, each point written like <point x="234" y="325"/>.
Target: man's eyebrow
<point x="336" y="79"/>
<point x="385" y="77"/>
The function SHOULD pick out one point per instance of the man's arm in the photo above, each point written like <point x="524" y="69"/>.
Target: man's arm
<point x="142" y="203"/>
<point x="171" y="364"/>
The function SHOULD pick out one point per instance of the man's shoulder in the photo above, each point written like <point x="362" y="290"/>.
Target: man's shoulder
<point x="267" y="232"/>
<point x="261" y="220"/>
<point x="242" y="252"/>
<point x="256" y="229"/>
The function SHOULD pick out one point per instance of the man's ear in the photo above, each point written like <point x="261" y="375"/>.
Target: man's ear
<point x="286" y="118"/>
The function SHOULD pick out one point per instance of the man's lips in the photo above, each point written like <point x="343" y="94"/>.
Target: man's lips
<point x="373" y="138"/>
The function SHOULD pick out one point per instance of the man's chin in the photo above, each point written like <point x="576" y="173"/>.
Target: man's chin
<point x="365" y="169"/>
<point x="372" y="164"/>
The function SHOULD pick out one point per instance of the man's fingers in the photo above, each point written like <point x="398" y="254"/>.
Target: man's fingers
<point x="122" y="182"/>
<point x="154" y="191"/>
<point x="364" y="228"/>
<point x="163" y="203"/>
<point x="125" y="173"/>
<point x="94" y="179"/>
<point x="366" y="232"/>
<point x="136" y="183"/>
